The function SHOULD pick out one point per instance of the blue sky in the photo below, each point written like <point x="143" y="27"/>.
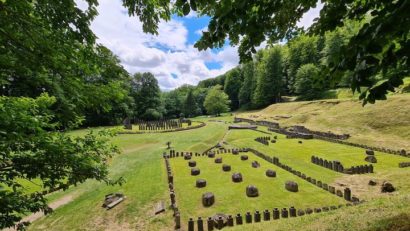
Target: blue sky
<point x="170" y="56"/>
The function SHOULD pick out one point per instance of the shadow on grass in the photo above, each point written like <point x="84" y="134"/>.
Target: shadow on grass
<point x="400" y="222"/>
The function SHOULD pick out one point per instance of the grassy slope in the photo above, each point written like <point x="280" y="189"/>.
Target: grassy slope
<point x="386" y="123"/>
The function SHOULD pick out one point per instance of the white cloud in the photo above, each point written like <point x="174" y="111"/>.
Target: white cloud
<point x="163" y="55"/>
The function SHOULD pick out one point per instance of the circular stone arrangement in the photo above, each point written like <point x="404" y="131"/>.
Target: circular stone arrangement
<point x="208" y="199"/>
<point x="270" y="173"/>
<point x="252" y="191"/>
<point x="211" y="155"/>
<point x="226" y="168"/>
<point x="218" y="160"/>
<point x="237" y="177"/>
<point x="192" y="163"/>
<point x="200" y="183"/>
<point x="235" y="151"/>
<point x="291" y="186"/>
<point x="244" y="157"/>
<point x="273" y="141"/>
<point x="195" y="171"/>
<point x="369" y="152"/>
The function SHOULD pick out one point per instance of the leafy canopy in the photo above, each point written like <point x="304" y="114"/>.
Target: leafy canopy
<point x="216" y="101"/>
<point x="381" y="46"/>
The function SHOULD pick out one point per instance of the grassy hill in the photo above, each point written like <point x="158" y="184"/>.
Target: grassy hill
<point x="386" y="123"/>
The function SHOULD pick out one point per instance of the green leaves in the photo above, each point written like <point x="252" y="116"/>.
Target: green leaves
<point x="34" y="149"/>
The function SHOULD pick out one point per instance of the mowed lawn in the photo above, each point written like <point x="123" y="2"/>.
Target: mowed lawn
<point x="142" y="166"/>
<point x="230" y="197"/>
<point x="298" y="156"/>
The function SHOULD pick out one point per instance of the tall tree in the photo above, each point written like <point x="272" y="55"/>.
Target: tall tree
<point x="233" y="83"/>
<point x="302" y="50"/>
<point x="190" y="106"/>
<point x="269" y="72"/>
<point x="216" y="101"/>
<point x="248" y="86"/>
<point x="309" y="84"/>
<point x="146" y="94"/>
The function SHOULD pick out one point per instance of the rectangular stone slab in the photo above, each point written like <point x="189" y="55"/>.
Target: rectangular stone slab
<point x="159" y="207"/>
<point x="115" y="203"/>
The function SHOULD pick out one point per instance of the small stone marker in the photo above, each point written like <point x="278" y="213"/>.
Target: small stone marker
<point x="252" y="191"/>
<point x="371" y="159"/>
<point x="200" y="183"/>
<point x="387" y="187"/>
<point x="255" y="164"/>
<point x="291" y="186"/>
<point x="237" y="177"/>
<point x="208" y="199"/>
<point x="244" y="157"/>
<point x="270" y="173"/>
<point x="159" y="207"/>
<point x="195" y="171"/>
<point x="226" y="168"/>
<point x="192" y="163"/>
<point x="112" y="200"/>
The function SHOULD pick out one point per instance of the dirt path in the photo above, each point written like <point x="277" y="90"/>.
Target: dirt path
<point x="54" y="205"/>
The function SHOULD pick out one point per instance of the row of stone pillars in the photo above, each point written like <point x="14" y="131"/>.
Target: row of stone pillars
<point x="219" y="222"/>
<point x="347" y="195"/>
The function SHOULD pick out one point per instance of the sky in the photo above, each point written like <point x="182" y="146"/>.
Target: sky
<point x="170" y="56"/>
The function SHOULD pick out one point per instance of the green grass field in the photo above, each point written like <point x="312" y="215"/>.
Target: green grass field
<point x="142" y="166"/>
<point x="230" y="198"/>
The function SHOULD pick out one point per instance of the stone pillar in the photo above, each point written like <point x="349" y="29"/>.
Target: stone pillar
<point x="200" y="224"/>
<point x="177" y="220"/>
<point x="257" y="216"/>
<point x="230" y="220"/>
<point x="191" y="224"/>
<point x="292" y="211"/>
<point x="220" y="223"/>
<point x="371" y="168"/>
<point x="210" y="224"/>
<point x="238" y="219"/>
<point x="266" y="215"/>
<point x="347" y="194"/>
<point x="284" y="213"/>
<point x="275" y="213"/>
<point x="248" y="217"/>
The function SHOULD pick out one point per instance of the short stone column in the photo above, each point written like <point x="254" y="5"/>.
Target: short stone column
<point x="191" y="224"/>
<point x="284" y="213"/>
<point x="266" y="215"/>
<point x="238" y="219"/>
<point x="210" y="223"/>
<point x="200" y="224"/>
<point x="248" y="217"/>
<point x="292" y="211"/>
<point x="275" y="213"/>
<point x="257" y="216"/>
<point x="347" y="194"/>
